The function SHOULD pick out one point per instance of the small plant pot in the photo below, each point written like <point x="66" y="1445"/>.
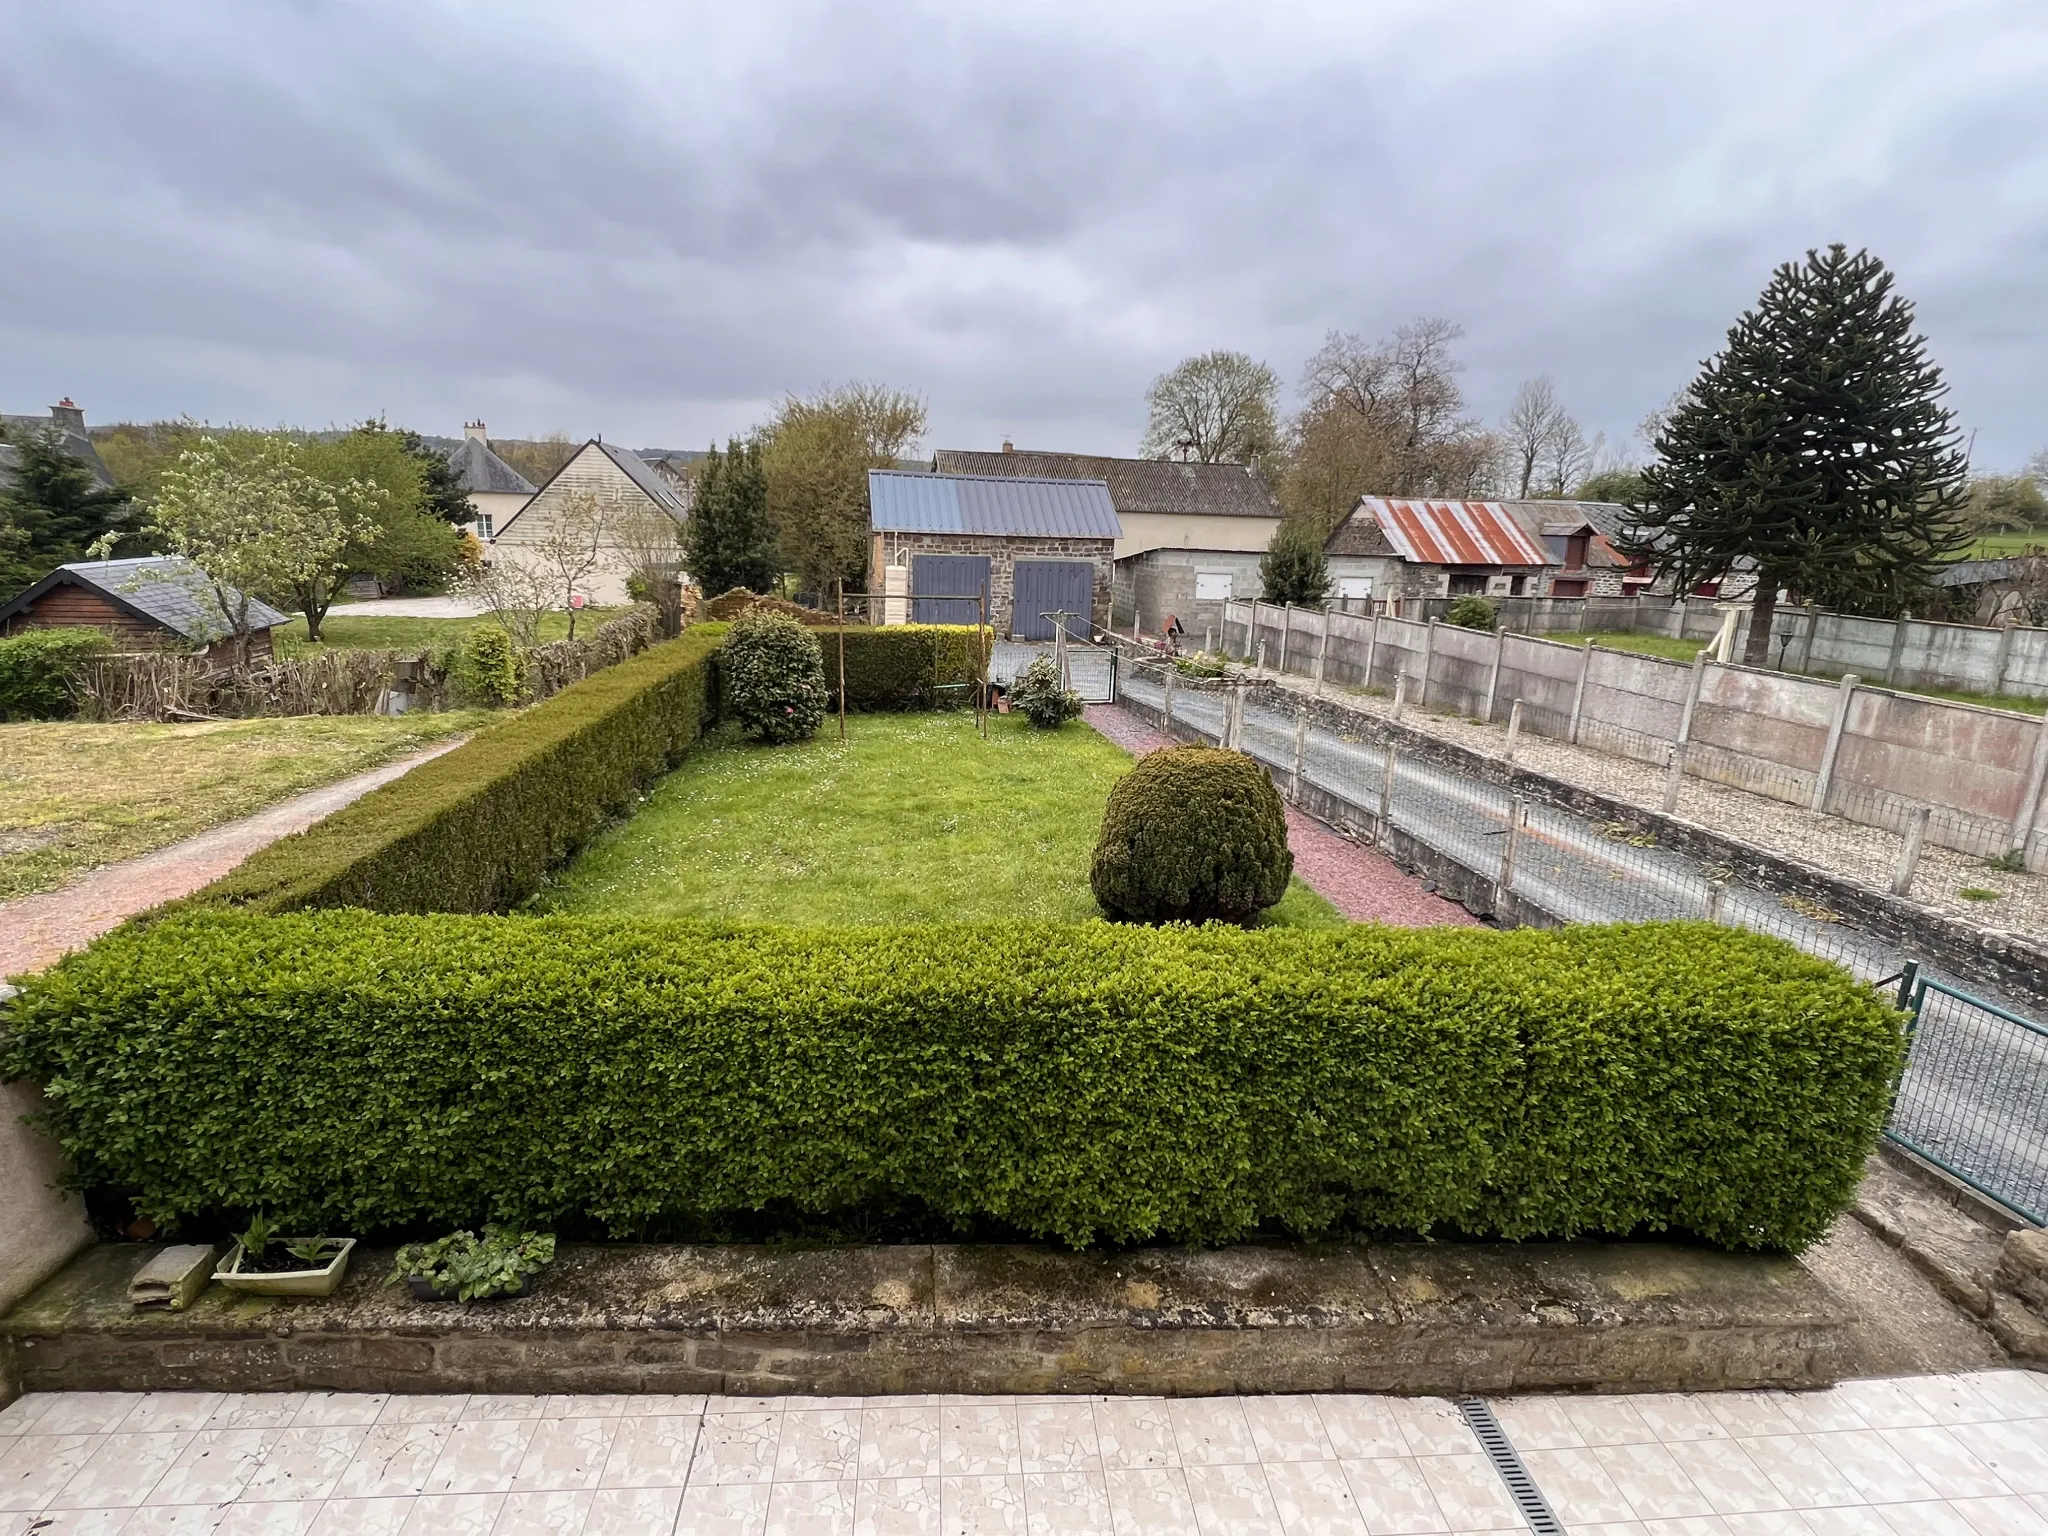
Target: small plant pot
<point x="287" y="1282"/>
<point x="424" y="1289"/>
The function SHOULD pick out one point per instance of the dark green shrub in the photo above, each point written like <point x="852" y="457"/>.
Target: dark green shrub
<point x="905" y="666"/>
<point x="352" y="1073"/>
<point x="36" y="667"/>
<point x="1474" y="613"/>
<point x="1190" y="835"/>
<point x="774" y="677"/>
<point x="1038" y="693"/>
<point x="487" y="667"/>
<point x="477" y="829"/>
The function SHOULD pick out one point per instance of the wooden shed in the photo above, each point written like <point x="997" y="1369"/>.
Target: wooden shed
<point x="159" y="603"/>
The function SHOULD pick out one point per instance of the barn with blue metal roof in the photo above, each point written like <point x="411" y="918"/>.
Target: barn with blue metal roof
<point x="1030" y="549"/>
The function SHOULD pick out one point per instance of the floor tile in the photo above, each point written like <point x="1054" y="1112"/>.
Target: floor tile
<point x="542" y="1514"/>
<point x="24" y="1411"/>
<point x="323" y="1410"/>
<point x="1671" y="1417"/>
<point x="454" y="1514"/>
<point x="978" y="1441"/>
<point x="2008" y="1516"/>
<point x="1923" y="1519"/>
<point x="1951" y="1400"/>
<point x="1800" y="1472"/>
<point x="360" y="1517"/>
<point x="393" y="1460"/>
<point x="481" y="1456"/>
<point x="122" y="1470"/>
<point x="1393" y="1496"/>
<point x="1432" y="1427"/>
<point x="1537" y="1423"/>
<point x="172" y="1411"/>
<point x="1211" y="1431"/>
<point x="74" y="1522"/>
<point x="1652" y="1482"/>
<point x="728" y="1509"/>
<point x="651" y="1453"/>
<point x="633" y="1512"/>
<point x="1231" y="1497"/>
<point x="1058" y="1437"/>
<point x="896" y="1506"/>
<point x="736" y="1448"/>
<point x="1884" y="1404"/>
<point x="1470" y="1493"/>
<point x="304" y="1464"/>
<point x="1730" y="1482"/>
<point x="982" y="1506"/>
<point x="1287" y="1429"/>
<point x="820" y="1445"/>
<point x="1814" y="1413"/>
<point x="1145" y="1500"/>
<point x="811" y="1508"/>
<point x="1313" y="1499"/>
<point x="1748" y="1414"/>
<point x="1879" y="1474"/>
<point x="165" y="1520"/>
<point x="1067" y="1503"/>
<point x="2015" y="1394"/>
<point x="283" y="1519"/>
<point x="509" y="1405"/>
<point x="214" y="1467"/>
<point x="425" y="1408"/>
<point x="1360" y="1427"/>
<point x="2015" y="1451"/>
<point x="899" y="1442"/>
<point x="256" y="1410"/>
<point x="1135" y="1432"/>
<point x="587" y="1405"/>
<point x="565" y="1455"/>
<point x="83" y="1413"/>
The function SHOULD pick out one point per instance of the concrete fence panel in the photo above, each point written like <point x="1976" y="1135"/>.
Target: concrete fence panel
<point x="1544" y="675"/>
<point x="1461" y="668"/>
<point x="2026" y="663"/>
<point x="1762" y="731"/>
<point x="1633" y="704"/>
<point x="1398" y="653"/>
<point x="1919" y="751"/>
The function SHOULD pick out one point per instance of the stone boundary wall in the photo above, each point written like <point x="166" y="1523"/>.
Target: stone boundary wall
<point x="1870" y="755"/>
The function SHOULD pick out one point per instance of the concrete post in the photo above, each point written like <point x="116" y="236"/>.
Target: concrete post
<point x="1400" y="694"/>
<point x="1823" y="777"/>
<point x="1236" y="719"/>
<point x="1500" y="645"/>
<point x="1386" y="797"/>
<point x="1891" y="661"/>
<point x="1674" y="777"/>
<point x="1806" y="642"/>
<point x="2003" y="659"/>
<point x="1251" y="635"/>
<point x="1514" y="730"/>
<point x="2030" y="802"/>
<point x="1171" y="669"/>
<point x="1259" y="661"/>
<point x="1717" y="894"/>
<point x="1372" y="645"/>
<point x="1322" y="655"/>
<point x="1428" y="656"/>
<point x="1909" y="851"/>
<point x="1208" y="639"/>
<point x="1300" y="751"/>
<point x="1518" y="811"/>
<point x="1579" y="694"/>
<point x="1286" y="633"/>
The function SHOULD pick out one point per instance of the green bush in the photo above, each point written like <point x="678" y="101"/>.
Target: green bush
<point x="1190" y="835"/>
<point x="1474" y="613"/>
<point x="36" y="667"/>
<point x="487" y="667"/>
<point x="904" y="666"/>
<point x="357" y="1073"/>
<point x="774" y="677"/>
<point x="1038" y="693"/>
<point x="475" y="830"/>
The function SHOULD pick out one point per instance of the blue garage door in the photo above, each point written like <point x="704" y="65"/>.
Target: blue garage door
<point x="1053" y="586"/>
<point x="955" y="583"/>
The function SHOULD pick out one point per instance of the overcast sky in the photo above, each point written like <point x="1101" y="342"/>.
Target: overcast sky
<point x="649" y="220"/>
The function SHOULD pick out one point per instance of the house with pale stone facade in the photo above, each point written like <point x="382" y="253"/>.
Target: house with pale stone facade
<point x="628" y="491"/>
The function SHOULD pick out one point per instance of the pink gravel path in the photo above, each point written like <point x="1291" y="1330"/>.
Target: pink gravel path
<point x="1365" y="886"/>
<point x="36" y="931"/>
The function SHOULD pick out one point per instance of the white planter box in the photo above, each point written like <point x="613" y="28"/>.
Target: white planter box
<point x="290" y="1282"/>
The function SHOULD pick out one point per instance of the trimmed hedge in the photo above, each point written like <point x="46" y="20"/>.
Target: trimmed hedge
<point x="475" y="830"/>
<point x="903" y="666"/>
<point x="353" y="1072"/>
<point x="1190" y="835"/>
<point x="36" y="667"/>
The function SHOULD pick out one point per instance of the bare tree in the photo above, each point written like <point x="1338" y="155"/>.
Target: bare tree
<point x="521" y="583"/>
<point x="1531" y="423"/>
<point x="1217" y="408"/>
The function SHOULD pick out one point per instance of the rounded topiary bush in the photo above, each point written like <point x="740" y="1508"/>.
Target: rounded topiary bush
<point x="1192" y="835"/>
<point x="774" y="677"/>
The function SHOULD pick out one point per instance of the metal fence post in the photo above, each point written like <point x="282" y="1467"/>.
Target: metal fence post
<point x="1300" y="751"/>
<point x="1428" y="656"/>
<point x="1400" y="694"/>
<point x="1579" y="693"/>
<point x="1386" y="797"/>
<point x="1909" y="851"/>
<point x="1823" y="777"/>
<point x="1518" y="811"/>
<point x="1909" y="973"/>
<point x="1500" y="644"/>
<point x="1514" y="730"/>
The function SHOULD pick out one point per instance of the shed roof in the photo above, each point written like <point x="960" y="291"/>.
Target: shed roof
<point x="1135" y="485"/>
<point x="167" y="590"/>
<point x="481" y="472"/>
<point x="1003" y="505"/>
<point x="1453" y="532"/>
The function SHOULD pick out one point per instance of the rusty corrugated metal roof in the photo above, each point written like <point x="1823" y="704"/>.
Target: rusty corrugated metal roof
<point x="1454" y="532"/>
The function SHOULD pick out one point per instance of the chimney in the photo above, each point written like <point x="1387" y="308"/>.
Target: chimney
<point x="475" y="429"/>
<point x="1008" y="446"/>
<point x="68" y="416"/>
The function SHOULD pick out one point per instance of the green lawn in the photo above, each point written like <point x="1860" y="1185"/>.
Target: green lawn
<point x="1994" y="546"/>
<point x="342" y="632"/>
<point x="1647" y="645"/>
<point x="914" y="819"/>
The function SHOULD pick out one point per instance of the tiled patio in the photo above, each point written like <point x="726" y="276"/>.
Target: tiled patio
<point x="1918" y="1456"/>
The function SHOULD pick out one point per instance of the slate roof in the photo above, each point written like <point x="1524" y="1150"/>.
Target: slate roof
<point x="643" y="475"/>
<point x="480" y="471"/>
<point x="167" y="590"/>
<point x="77" y="444"/>
<point x="1055" y="507"/>
<point x="1135" y="485"/>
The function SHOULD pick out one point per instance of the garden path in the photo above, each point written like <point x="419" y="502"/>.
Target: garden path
<point x="1366" y="886"/>
<point x="37" y="931"/>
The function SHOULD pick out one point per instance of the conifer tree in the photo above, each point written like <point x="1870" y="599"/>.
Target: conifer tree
<point x="728" y="541"/>
<point x="1815" y="444"/>
<point x="1294" y="569"/>
<point x="54" y="506"/>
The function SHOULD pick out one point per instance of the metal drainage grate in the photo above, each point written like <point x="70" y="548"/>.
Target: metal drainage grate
<point x="1508" y="1463"/>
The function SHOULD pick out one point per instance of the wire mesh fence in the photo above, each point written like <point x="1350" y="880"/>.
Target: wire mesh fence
<point x="1974" y="1096"/>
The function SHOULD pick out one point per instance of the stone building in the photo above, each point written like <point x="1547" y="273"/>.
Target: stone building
<point x="495" y="489"/>
<point x="643" y="515"/>
<point x="1035" y="545"/>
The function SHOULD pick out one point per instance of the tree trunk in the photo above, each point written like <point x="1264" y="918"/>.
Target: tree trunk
<point x="1756" y="651"/>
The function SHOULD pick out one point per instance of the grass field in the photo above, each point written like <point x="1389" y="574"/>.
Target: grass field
<point x="74" y="796"/>
<point x="1647" y="645"/>
<point x="914" y="819"/>
<point x="1994" y="546"/>
<point x="342" y="632"/>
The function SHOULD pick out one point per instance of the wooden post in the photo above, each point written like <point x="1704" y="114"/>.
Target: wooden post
<point x="2030" y="802"/>
<point x="1579" y="694"/>
<point x="1823" y="777"/>
<point x="1300" y="751"/>
<point x="1514" y="730"/>
<point x="1400" y="694"/>
<point x="1286" y="633"/>
<point x="1428" y="656"/>
<point x="984" y="642"/>
<point x="1386" y="797"/>
<point x="1518" y="812"/>
<point x="1909" y="851"/>
<point x="1500" y="644"/>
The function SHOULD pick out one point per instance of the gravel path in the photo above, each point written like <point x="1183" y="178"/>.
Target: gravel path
<point x="37" y="931"/>
<point x="1866" y="855"/>
<point x="1365" y="886"/>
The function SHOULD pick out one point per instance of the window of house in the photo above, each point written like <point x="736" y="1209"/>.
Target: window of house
<point x="1575" y="552"/>
<point x="1565" y="587"/>
<point x="1212" y="586"/>
<point x="1462" y="582"/>
<point x="483" y="525"/>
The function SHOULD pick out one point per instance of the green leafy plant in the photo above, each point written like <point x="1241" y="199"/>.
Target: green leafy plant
<point x="476" y="1268"/>
<point x="2012" y="862"/>
<point x="1977" y="893"/>
<point x="1192" y="835"/>
<point x="1038" y="693"/>
<point x="36" y="668"/>
<point x="255" y="1237"/>
<point x="313" y="1252"/>
<point x="1474" y="613"/>
<point x="1201" y="664"/>
<point x="774" y="674"/>
<point x="1085" y="1082"/>
<point x="487" y="667"/>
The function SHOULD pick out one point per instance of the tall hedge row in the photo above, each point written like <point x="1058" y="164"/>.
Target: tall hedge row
<point x="355" y="1072"/>
<point x="476" y="829"/>
<point x="903" y="666"/>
